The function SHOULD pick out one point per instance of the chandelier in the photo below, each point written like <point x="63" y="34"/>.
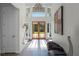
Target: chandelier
<point x="38" y="8"/>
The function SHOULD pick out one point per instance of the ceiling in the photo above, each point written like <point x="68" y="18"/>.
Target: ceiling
<point x="18" y="5"/>
<point x="43" y="4"/>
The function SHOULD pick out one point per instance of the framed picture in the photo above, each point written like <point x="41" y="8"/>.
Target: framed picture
<point x="58" y="21"/>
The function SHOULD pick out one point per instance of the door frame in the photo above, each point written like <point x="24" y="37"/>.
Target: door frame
<point x="38" y="29"/>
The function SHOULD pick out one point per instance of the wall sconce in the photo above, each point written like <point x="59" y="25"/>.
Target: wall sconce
<point x="25" y="26"/>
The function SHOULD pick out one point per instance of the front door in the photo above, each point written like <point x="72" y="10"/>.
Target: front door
<point x="38" y="30"/>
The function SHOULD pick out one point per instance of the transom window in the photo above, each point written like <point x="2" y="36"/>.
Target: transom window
<point x="38" y="14"/>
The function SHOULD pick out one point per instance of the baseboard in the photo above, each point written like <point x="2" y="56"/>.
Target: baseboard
<point x="9" y="54"/>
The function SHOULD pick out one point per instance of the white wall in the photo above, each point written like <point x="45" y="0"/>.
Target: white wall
<point x="22" y="20"/>
<point x="22" y="30"/>
<point x="71" y="20"/>
<point x="70" y="27"/>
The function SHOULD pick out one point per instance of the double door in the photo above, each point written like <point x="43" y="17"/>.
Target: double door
<point x="38" y="30"/>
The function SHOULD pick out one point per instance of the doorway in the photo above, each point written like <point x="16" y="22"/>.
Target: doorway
<point x="38" y="29"/>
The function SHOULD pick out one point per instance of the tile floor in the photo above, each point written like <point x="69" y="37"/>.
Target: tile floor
<point x="36" y="48"/>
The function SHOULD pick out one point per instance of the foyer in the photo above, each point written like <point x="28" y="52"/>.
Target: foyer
<point x="39" y="29"/>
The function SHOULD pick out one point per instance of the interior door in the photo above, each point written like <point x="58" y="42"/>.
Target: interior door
<point x="10" y="29"/>
<point x="38" y="30"/>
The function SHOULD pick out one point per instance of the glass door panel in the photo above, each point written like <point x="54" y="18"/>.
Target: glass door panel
<point x="35" y="29"/>
<point x="42" y="29"/>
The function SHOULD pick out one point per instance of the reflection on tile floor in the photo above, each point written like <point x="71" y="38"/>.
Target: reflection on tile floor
<point x="36" y="48"/>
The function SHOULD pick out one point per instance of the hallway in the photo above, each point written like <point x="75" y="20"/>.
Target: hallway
<point x="39" y="29"/>
<point x="36" y="48"/>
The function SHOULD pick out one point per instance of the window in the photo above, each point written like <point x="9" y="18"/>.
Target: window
<point x="35" y="27"/>
<point x="42" y="26"/>
<point x="48" y="11"/>
<point x="38" y="14"/>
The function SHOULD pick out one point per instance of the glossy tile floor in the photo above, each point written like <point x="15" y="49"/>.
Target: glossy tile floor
<point x="36" y="48"/>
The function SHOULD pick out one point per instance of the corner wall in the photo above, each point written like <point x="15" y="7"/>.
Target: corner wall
<point x="22" y="16"/>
